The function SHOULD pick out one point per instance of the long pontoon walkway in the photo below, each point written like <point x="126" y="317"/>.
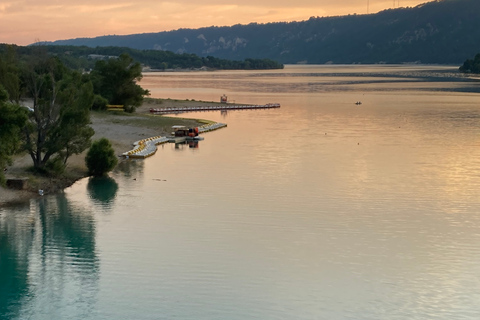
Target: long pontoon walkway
<point x="147" y="147"/>
<point x="213" y="108"/>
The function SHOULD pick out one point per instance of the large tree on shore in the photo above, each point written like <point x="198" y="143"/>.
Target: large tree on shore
<point x="12" y="120"/>
<point x="59" y="125"/>
<point x="116" y="80"/>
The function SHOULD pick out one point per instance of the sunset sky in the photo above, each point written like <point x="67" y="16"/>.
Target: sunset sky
<point x="26" y="21"/>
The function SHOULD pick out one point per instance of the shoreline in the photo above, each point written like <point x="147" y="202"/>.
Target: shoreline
<point x="122" y="129"/>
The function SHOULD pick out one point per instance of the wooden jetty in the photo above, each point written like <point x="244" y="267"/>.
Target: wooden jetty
<point x="213" y="108"/>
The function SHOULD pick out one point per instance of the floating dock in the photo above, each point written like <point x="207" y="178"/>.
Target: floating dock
<point x="148" y="147"/>
<point x="211" y="127"/>
<point x="213" y="108"/>
<point x="145" y="148"/>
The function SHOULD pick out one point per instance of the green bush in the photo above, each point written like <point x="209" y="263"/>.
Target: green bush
<point x="100" y="158"/>
<point x="99" y="103"/>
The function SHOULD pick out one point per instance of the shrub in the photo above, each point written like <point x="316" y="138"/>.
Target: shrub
<point x="99" y="103"/>
<point x="100" y="158"/>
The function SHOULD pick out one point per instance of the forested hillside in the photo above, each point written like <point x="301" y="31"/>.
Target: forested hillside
<point x="83" y="57"/>
<point x="444" y="31"/>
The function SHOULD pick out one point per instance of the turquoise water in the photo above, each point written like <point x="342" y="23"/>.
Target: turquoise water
<point x="321" y="209"/>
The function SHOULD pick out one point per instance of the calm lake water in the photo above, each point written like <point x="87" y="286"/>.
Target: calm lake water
<point x="321" y="209"/>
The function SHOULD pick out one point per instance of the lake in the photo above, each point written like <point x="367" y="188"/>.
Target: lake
<point x="322" y="209"/>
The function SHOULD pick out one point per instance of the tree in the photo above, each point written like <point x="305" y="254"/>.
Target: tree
<point x="9" y="74"/>
<point x="74" y="132"/>
<point x="116" y="80"/>
<point x="58" y="126"/>
<point x="471" y="66"/>
<point x="100" y="158"/>
<point x="12" y="119"/>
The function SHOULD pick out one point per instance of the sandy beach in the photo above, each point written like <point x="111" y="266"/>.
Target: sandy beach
<point x="121" y="129"/>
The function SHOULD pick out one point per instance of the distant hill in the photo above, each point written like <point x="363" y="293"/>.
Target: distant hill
<point x="444" y="31"/>
<point x="84" y="58"/>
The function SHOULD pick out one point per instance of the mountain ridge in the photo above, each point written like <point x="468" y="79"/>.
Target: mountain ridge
<point x="444" y="32"/>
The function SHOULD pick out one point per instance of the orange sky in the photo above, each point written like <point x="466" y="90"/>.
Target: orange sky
<point x="26" y="21"/>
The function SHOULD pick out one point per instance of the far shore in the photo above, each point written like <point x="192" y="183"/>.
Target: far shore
<point x="122" y="129"/>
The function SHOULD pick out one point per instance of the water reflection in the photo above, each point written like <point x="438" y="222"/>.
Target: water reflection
<point x="131" y="168"/>
<point x="102" y="190"/>
<point x="49" y="244"/>
<point x="192" y="144"/>
<point x="15" y="243"/>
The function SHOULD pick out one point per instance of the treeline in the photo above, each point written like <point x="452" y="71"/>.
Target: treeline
<point x="471" y="66"/>
<point x="247" y="64"/>
<point x="84" y="57"/>
<point x="57" y="124"/>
